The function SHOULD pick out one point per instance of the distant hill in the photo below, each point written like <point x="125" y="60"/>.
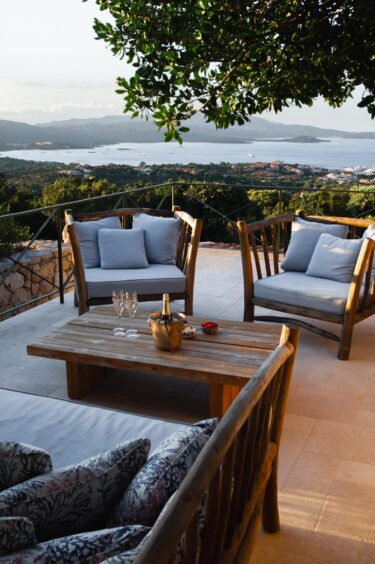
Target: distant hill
<point x="81" y="133"/>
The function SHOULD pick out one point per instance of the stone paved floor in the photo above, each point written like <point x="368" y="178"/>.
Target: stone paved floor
<point x="327" y="461"/>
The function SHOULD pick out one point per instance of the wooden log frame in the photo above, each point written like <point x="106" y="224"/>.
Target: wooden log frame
<point x="236" y="473"/>
<point x="187" y="249"/>
<point x="254" y="236"/>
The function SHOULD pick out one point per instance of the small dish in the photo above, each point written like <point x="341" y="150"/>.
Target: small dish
<point x="209" y="327"/>
<point x="188" y="332"/>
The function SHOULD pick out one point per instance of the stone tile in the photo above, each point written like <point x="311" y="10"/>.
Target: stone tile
<point x="366" y="418"/>
<point x="350" y="507"/>
<point x="292" y="444"/>
<point x="298" y="423"/>
<point x="307" y="544"/>
<point x="266" y="555"/>
<point x="317" y="403"/>
<point x="352" y="442"/>
<point x="367" y="553"/>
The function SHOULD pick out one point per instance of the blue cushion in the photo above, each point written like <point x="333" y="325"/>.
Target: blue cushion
<point x="87" y="232"/>
<point x="157" y="480"/>
<point x="16" y="533"/>
<point x="19" y="462"/>
<point x="334" y="258"/>
<point x="300" y="249"/>
<point x="122" y="248"/>
<point x="304" y="237"/>
<point x="89" y="547"/>
<point x="332" y="228"/>
<point x="76" y="498"/>
<point x="161" y="237"/>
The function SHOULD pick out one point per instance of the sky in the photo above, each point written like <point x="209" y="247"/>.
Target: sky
<point x="52" y="68"/>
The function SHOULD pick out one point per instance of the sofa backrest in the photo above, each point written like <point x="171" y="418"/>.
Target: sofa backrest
<point x="234" y="477"/>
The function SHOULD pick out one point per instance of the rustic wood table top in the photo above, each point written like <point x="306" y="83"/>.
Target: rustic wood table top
<point x="225" y="361"/>
<point x="229" y="357"/>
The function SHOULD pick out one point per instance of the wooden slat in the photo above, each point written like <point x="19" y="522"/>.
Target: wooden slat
<point x="255" y="254"/>
<point x="265" y="252"/>
<point x="275" y="249"/>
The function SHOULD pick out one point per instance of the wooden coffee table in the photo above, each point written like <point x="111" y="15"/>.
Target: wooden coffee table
<point x="226" y="361"/>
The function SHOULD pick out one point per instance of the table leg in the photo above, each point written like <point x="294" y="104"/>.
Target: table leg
<point x="221" y="396"/>
<point x="82" y="378"/>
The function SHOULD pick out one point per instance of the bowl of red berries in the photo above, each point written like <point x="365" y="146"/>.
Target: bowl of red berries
<point x="209" y="327"/>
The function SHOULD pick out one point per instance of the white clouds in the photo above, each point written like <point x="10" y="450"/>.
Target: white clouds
<point x="53" y="68"/>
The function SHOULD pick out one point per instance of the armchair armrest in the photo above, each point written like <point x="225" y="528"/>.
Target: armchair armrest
<point x="79" y="269"/>
<point x="362" y="271"/>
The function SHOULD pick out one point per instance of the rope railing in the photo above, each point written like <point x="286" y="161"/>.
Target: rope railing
<point x="175" y="191"/>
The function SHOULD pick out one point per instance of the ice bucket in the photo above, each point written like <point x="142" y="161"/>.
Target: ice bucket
<point x="167" y="334"/>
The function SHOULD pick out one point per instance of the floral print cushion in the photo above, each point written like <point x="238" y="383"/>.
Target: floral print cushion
<point x="87" y="548"/>
<point x="20" y="462"/>
<point x="16" y="533"/>
<point x="76" y="498"/>
<point x="154" y="484"/>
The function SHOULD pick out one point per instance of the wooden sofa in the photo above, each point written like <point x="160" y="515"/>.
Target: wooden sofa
<point x="187" y="249"/>
<point x="264" y="243"/>
<point x="236" y="470"/>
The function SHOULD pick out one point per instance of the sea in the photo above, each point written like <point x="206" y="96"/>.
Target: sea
<point x="334" y="153"/>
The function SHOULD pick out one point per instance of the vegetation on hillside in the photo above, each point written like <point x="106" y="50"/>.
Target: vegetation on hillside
<point x="250" y="192"/>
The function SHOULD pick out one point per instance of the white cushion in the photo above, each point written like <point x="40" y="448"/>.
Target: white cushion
<point x="297" y="289"/>
<point x="122" y="248"/>
<point x="156" y="279"/>
<point x="334" y="258"/>
<point x="87" y="232"/>
<point x="161" y="237"/>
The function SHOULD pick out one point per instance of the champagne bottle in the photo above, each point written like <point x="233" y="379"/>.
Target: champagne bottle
<point x="166" y="313"/>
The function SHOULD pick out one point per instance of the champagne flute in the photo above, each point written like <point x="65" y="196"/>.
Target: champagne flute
<point x="131" y="304"/>
<point x="118" y="300"/>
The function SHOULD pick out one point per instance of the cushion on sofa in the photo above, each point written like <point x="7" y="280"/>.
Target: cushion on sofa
<point x="155" y="483"/>
<point x="19" y="462"/>
<point x="295" y="288"/>
<point x="122" y="248"/>
<point x="89" y="547"/>
<point x="300" y="249"/>
<point x="76" y="498"/>
<point x="332" y="228"/>
<point x="16" y="533"/>
<point x="156" y="279"/>
<point x="87" y="232"/>
<point x="334" y="258"/>
<point x="161" y="237"/>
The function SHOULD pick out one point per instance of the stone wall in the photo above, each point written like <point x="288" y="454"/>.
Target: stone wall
<point x="25" y="282"/>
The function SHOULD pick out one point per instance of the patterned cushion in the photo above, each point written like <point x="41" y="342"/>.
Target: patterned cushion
<point x="88" y="548"/>
<point x="16" y="533"/>
<point x="76" y="498"/>
<point x="154" y="484"/>
<point x="19" y="462"/>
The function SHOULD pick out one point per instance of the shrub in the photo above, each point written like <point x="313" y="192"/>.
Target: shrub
<point x="11" y="236"/>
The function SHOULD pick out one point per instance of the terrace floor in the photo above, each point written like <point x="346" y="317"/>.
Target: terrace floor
<point x="327" y="459"/>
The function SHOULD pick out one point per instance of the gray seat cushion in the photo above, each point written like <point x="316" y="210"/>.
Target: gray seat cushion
<point x="79" y="431"/>
<point x="297" y="289"/>
<point x="156" y="279"/>
<point x="370" y="234"/>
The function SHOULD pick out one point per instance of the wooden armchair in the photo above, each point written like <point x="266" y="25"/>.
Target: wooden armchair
<point x="186" y="255"/>
<point x="236" y="470"/>
<point x="261" y="246"/>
